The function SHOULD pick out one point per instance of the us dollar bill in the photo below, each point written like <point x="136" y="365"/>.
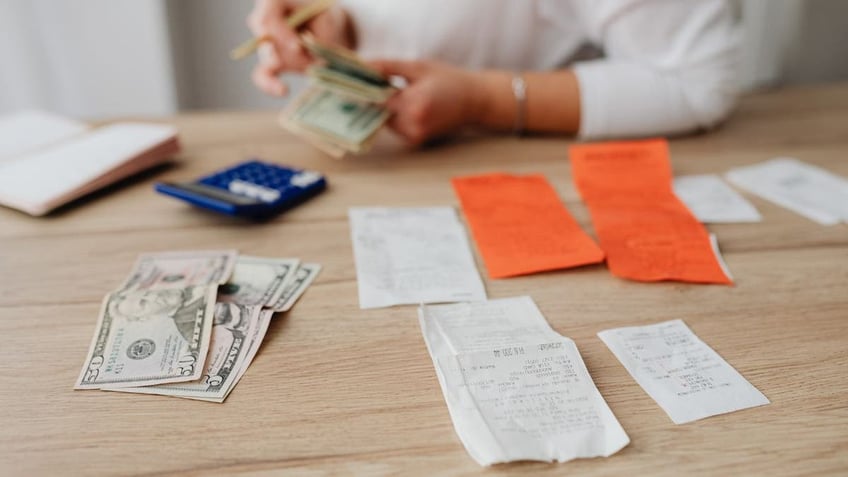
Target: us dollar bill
<point x="236" y="336"/>
<point x="150" y="336"/>
<point x="164" y="270"/>
<point x="334" y="80"/>
<point x="328" y="147"/>
<point x="337" y="119"/>
<point x="258" y="336"/>
<point x="258" y="281"/>
<point x="304" y="277"/>
<point x="343" y="108"/>
<point x="259" y="333"/>
<point x="344" y="61"/>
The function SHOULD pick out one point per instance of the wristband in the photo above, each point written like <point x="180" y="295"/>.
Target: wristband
<point x="519" y="89"/>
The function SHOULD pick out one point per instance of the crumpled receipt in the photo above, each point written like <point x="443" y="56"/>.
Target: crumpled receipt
<point x="515" y="388"/>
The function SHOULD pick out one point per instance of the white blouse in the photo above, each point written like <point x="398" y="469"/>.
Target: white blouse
<point x="669" y="65"/>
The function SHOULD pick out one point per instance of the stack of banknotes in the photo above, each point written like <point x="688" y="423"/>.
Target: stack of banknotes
<point x="342" y="108"/>
<point x="188" y="324"/>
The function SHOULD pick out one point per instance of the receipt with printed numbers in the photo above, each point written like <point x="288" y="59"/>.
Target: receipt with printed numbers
<point x="680" y="372"/>
<point x="515" y="388"/>
<point x="412" y="255"/>
<point x="807" y="190"/>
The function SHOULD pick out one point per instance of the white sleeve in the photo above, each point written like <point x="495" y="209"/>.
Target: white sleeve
<point x="670" y="67"/>
<point x="383" y="29"/>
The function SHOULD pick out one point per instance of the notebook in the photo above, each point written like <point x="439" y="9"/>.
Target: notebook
<point x="56" y="160"/>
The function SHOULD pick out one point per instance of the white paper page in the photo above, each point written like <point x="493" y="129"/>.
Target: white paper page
<point x="807" y="190"/>
<point x="516" y="389"/>
<point x="35" y="181"/>
<point x="27" y="131"/>
<point x="713" y="201"/>
<point x="412" y="256"/>
<point x="680" y="372"/>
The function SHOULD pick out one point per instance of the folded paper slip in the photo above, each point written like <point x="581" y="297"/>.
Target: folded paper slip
<point x="521" y="226"/>
<point x="42" y="180"/>
<point x="686" y="377"/>
<point x="644" y="229"/>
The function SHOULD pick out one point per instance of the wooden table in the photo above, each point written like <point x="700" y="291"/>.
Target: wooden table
<point x="339" y="390"/>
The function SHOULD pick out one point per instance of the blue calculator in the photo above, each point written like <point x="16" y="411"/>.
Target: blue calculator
<point x="251" y="189"/>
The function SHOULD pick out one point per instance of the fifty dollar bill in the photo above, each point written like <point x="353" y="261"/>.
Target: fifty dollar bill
<point x="156" y="328"/>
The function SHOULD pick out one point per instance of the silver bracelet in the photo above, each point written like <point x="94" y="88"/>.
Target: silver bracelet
<point x="519" y="89"/>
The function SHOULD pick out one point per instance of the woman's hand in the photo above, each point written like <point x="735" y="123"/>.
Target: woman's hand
<point x="438" y="99"/>
<point x="284" y="52"/>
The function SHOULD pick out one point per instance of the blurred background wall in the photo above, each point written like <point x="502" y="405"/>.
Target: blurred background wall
<point x="107" y="58"/>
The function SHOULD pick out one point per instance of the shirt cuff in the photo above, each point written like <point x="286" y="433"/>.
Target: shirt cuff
<point x="624" y="99"/>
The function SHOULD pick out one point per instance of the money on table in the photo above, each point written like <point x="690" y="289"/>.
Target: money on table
<point x="258" y="281"/>
<point x="188" y="324"/>
<point x="235" y="328"/>
<point x="157" y="326"/>
<point x="147" y="337"/>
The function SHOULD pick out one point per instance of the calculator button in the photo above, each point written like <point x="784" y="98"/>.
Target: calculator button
<point x="254" y="191"/>
<point x="305" y="179"/>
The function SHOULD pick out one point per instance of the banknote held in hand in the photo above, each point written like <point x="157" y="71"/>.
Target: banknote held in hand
<point x="343" y="107"/>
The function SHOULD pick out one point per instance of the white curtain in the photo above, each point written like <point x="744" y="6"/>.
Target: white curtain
<point x="771" y="30"/>
<point x="88" y="59"/>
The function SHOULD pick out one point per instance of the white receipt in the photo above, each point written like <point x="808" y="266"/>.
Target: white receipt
<point x="412" y="256"/>
<point x="713" y="201"/>
<point x="680" y="372"/>
<point x="807" y="190"/>
<point x="515" y="388"/>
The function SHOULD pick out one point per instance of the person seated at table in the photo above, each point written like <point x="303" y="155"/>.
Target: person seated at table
<point x="669" y="67"/>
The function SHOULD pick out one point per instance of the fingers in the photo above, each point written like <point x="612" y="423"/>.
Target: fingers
<point x="411" y="133"/>
<point x="411" y="70"/>
<point x="266" y="73"/>
<point x="407" y="119"/>
<point x="268" y="82"/>
<point x="294" y="56"/>
<point x="282" y="53"/>
<point x="289" y="51"/>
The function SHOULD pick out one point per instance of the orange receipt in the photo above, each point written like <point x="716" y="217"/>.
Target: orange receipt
<point x="644" y="229"/>
<point x="521" y="226"/>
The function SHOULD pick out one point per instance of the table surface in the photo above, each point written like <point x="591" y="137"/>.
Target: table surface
<point x="339" y="390"/>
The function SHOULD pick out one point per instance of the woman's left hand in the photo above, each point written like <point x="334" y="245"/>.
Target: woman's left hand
<point x="438" y="99"/>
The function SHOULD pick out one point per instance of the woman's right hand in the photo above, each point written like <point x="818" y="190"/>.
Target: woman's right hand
<point x="285" y="52"/>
